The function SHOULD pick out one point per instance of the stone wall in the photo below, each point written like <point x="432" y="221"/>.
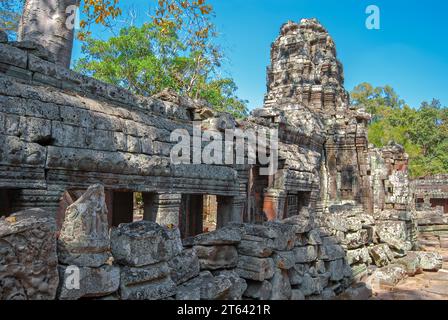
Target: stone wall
<point x="430" y="196"/>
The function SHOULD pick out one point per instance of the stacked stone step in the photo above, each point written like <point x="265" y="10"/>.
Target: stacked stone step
<point x="218" y="257"/>
<point x="85" y="262"/>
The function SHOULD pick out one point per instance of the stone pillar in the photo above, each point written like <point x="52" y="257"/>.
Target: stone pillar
<point x="229" y="210"/>
<point x="123" y="208"/>
<point x="149" y="207"/>
<point x="167" y="207"/>
<point x="274" y="204"/>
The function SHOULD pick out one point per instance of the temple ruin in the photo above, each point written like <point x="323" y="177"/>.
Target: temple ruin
<point x="75" y="151"/>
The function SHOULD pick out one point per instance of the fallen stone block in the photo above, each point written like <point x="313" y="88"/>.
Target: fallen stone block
<point x="210" y="287"/>
<point x="430" y="261"/>
<point x="130" y="276"/>
<point x="314" y="237"/>
<point x="184" y="266"/>
<point x="296" y="273"/>
<point x="310" y="285"/>
<point x="388" y="276"/>
<point x="223" y="236"/>
<point x="281" y="287"/>
<point x="157" y="289"/>
<point x="252" y="268"/>
<point x="344" y="223"/>
<point x="357" y="256"/>
<point x="278" y="236"/>
<point x="216" y="257"/>
<point x="329" y="252"/>
<point x="255" y="247"/>
<point x="394" y="234"/>
<point x="284" y="259"/>
<point x="238" y="287"/>
<point x="86" y="282"/>
<point x="336" y="269"/>
<point x="381" y="255"/>
<point x="305" y="254"/>
<point x="355" y="240"/>
<point x="260" y="290"/>
<point x="411" y="263"/>
<point x="144" y="243"/>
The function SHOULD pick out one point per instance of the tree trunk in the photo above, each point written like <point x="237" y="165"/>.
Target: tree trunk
<point x="46" y="22"/>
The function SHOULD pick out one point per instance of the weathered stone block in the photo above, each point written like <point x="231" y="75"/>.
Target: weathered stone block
<point x="344" y="223"/>
<point x="381" y="255"/>
<point x="257" y="248"/>
<point x="284" y="259"/>
<point x="184" y="266"/>
<point x="328" y="252"/>
<point x="358" y="256"/>
<point x="281" y="287"/>
<point x="93" y="282"/>
<point x="261" y="290"/>
<point x="411" y="263"/>
<point x="305" y="254"/>
<point x="296" y="273"/>
<point x="28" y="259"/>
<point x="13" y="56"/>
<point x="389" y="275"/>
<point x="430" y="261"/>
<point x="216" y="257"/>
<point x="223" y="236"/>
<point x="394" y="234"/>
<point x="279" y="236"/>
<point x="310" y="285"/>
<point x="130" y="276"/>
<point x="209" y="287"/>
<point x="255" y="268"/>
<point x="154" y="290"/>
<point x="238" y="287"/>
<point x="354" y="240"/>
<point x="144" y="243"/>
<point x="336" y="269"/>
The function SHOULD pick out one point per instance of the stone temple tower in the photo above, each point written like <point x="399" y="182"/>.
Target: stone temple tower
<point x="304" y="69"/>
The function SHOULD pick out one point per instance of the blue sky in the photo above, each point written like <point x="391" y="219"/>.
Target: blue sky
<point x="409" y="52"/>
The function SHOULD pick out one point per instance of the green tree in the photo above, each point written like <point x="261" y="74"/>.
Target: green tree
<point x="150" y="58"/>
<point x="422" y="131"/>
<point x="10" y="12"/>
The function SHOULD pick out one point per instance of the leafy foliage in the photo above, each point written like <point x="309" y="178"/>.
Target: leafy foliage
<point x="10" y="13"/>
<point x="149" y="58"/>
<point x="422" y="131"/>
